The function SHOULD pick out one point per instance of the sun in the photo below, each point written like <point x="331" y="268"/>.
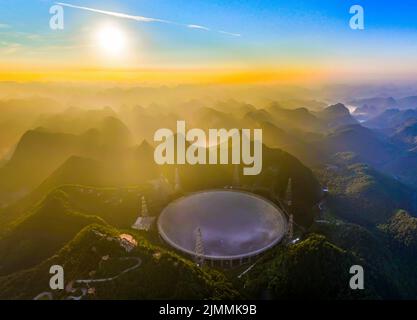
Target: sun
<point x="111" y="40"/>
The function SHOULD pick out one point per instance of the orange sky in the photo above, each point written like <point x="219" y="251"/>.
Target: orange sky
<point x="162" y="76"/>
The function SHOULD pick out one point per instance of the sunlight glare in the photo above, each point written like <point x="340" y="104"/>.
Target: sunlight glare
<point x="111" y="41"/>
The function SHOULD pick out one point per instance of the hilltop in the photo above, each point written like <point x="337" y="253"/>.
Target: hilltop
<point x="361" y="194"/>
<point x="160" y="275"/>
<point x="309" y="269"/>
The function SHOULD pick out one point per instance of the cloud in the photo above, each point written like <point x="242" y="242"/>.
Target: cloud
<point x="195" y="26"/>
<point x="4" y="26"/>
<point x="143" y="19"/>
<point x="114" y="14"/>
<point x="231" y="33"/>
<point x="10" y="48"/>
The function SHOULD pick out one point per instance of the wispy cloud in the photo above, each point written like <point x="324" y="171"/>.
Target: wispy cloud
<point x="4" y="26"/>
<point x="231" y="33"/>
<point x="115" y="14"/>
<point x="143" y="19"/>
<point x="195" y="26"/>
<point x="9" y="48"/>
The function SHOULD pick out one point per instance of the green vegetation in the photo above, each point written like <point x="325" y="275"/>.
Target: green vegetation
<point x="161" y="275"/>
<point x="307" y="270"/>
<point x="373" y="253"/>
<point x="42" y="233"/>
<point x="362" y="195"/>
<point x="401" y="238"/>
<point x="71" y="180"/>
<point x="402" y="232"/>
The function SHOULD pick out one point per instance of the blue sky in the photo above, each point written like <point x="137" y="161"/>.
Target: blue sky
<point x="273" y="33"/>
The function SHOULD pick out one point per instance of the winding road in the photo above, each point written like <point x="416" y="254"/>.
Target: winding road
<point x="137" y="265"/>
<point x="84" y="291"/>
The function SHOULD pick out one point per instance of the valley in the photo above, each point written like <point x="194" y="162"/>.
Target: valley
<point x="77" y="177"/>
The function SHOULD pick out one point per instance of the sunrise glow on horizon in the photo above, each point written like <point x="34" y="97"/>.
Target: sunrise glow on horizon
<point x="200" y="42"/>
